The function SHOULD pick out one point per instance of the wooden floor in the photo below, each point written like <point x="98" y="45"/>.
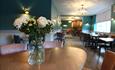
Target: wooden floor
<point x="94" y="61"/>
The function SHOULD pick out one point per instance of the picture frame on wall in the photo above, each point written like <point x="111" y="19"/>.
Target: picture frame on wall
<point x="114" y="8"/>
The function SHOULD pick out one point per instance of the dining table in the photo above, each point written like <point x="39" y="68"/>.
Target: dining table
<point x="107" y="40"/>
<point x="66" y="58"/>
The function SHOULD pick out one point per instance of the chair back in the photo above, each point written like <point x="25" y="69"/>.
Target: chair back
<point x="109" y="61"/>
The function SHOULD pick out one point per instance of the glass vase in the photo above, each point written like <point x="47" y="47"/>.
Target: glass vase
<point x="36" y="53"/>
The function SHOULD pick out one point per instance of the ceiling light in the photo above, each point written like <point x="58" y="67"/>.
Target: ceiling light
<point x="69" y="21"/>
<point x="112" y="19"/>
<point x="64" y="25"/>
<point x="26" y="10"/>
<point x="83" y="10"/>
<point x="77" y="17"/>
<point x="70" y="18"/>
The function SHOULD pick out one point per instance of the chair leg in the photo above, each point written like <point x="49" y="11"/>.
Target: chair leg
<point x="99" y="50"/>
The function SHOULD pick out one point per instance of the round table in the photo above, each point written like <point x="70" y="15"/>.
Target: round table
<point x="67" y="58"/>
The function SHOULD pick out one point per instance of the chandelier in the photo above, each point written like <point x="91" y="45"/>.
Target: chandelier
<point x="83" y="10"/>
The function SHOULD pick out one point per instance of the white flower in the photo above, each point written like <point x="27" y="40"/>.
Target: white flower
<point x="19" y="21"/>
<point x="42" y="21"/>
<point x="30" y="24"/>
<point x="34" y="21"/>
<point x="51" y="22"/>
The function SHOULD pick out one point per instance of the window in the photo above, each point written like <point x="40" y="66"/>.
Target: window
<point x="103" y="27"/>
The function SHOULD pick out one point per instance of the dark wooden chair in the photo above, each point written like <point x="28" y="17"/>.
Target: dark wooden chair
<point x="18" y="39"/>
<point x="109" y="61"/>
<point x="60" y="37"/>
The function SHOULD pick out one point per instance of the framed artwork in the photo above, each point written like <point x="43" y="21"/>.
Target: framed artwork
<point x="114" y="8"/>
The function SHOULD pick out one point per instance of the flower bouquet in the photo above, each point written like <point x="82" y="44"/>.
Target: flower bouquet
<point x="36" y="29"/>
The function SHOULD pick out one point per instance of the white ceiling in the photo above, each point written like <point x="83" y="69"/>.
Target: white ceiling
<point x="71" y="7"/>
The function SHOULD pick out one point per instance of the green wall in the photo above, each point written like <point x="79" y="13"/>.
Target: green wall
<point x="88" y="23"/>
<point x="10" y="9"/>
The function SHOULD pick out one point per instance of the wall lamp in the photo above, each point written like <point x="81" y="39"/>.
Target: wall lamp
<point x="26" y="10"/>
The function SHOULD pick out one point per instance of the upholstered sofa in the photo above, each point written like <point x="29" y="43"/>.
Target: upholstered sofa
<point x="12" y="48"/>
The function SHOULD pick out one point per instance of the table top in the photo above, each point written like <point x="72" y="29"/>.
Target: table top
<point x="93" y="34"/>
<point x="68" y="58"/>
<point x="107" y="39"/>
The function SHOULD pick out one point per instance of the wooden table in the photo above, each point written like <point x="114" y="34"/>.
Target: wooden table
<point x="68" y="58"/>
